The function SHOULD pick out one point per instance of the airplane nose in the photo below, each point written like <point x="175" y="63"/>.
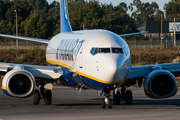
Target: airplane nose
<point x="117" y="69"/>
<point x="121" y="72"/>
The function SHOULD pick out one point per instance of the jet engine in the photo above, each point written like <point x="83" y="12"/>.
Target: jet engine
<point x="18" y="83"/>
<point x="160" y="84"/>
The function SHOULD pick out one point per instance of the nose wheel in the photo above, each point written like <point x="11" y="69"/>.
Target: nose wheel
<point x="125" y="95"/>
<point x="106" y="101"/>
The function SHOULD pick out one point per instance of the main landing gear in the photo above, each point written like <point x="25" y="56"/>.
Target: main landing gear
<point x="125" y="95"/>
<point x="43" y="94"/>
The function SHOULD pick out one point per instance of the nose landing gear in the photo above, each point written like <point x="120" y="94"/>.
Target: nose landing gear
<point x="125" y="95"/>
<point x="106" y="101"/>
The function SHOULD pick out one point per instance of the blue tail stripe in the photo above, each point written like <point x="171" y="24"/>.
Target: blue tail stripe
<point x="64" y="17"/>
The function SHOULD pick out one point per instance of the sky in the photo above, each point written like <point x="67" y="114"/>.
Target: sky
<point x="161" y="3"/>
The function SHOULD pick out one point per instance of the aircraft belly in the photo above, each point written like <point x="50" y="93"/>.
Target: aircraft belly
<point x="87" y="82"/>
<point x="75" y="79"/>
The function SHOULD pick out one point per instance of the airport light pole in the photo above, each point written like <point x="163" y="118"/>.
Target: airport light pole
<point x="161" y="28"/>
<point x="16" y="30"/>
<point x="174" y="31"/>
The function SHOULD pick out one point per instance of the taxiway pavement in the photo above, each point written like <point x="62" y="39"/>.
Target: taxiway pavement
<point x="69" y="104"/>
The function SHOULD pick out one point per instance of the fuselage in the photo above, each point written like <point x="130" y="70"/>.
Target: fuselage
<point x="92" y="58"/>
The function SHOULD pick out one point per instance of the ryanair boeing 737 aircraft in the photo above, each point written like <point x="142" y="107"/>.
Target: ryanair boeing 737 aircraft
<point x="87" y="59"/>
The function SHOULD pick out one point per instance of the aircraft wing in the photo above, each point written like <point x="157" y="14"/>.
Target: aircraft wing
<point x="42" y="72"/>
<point x="129" y="34"/>
<point x="143" y="71"/>
<point x="25" y="38"/>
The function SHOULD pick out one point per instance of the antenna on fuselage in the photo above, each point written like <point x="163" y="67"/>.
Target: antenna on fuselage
<point x="64" y="17"/>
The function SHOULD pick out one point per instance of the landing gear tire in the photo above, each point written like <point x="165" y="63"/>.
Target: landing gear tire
<point x="116" y="97"/>
<point x="103" y="104"/>
<point x="48" y="97"/>
<point x="109" y="103"/>
<point x="128" y="97"/>
<point x="36" y="97"/>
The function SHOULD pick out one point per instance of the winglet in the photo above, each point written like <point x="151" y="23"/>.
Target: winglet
<point x="64" y="18"/>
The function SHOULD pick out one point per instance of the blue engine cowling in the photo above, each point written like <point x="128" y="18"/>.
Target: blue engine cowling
<point x="18" y="83"/>
<point x="160" y="84"/>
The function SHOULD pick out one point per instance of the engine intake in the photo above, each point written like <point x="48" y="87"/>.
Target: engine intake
<point x="18" y="83"/>
<point x="160" y="84"/>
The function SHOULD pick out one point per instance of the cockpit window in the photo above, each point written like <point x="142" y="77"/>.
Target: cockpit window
<point x="92" y="51"/>
<point x="117" y="50"/>
<point x="104" y="50"/>
<point x="95" y="51"/>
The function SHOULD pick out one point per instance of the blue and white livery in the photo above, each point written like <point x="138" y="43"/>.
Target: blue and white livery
<point x="88" y="59"/>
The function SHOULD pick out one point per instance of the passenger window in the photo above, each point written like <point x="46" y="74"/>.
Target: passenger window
<point x="117" y="50"/>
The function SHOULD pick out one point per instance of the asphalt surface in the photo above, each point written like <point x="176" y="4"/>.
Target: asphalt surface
<point x="69" y="104"/>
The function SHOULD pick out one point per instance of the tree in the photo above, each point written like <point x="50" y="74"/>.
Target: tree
<point x="122" y="7"/>
<point x="96" y="16"/>
<point x="23" y="8"/>
<point x="53" y="19"/>
<point x="36" y="18"/>
<point x="35" y="26"/>
<point x="117" y="20"/>
<point x="172" y="9"/>
<point x="144" y="11"/>
<point x="41" y="6"/>
<point x="157" y="17"/>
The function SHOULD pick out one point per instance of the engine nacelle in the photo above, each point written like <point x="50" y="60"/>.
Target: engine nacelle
<point x="18" y="83"/>
<point x="160" y="84"/>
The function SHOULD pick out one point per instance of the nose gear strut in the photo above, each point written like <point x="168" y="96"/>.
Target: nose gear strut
<point x="106" y="101"/>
